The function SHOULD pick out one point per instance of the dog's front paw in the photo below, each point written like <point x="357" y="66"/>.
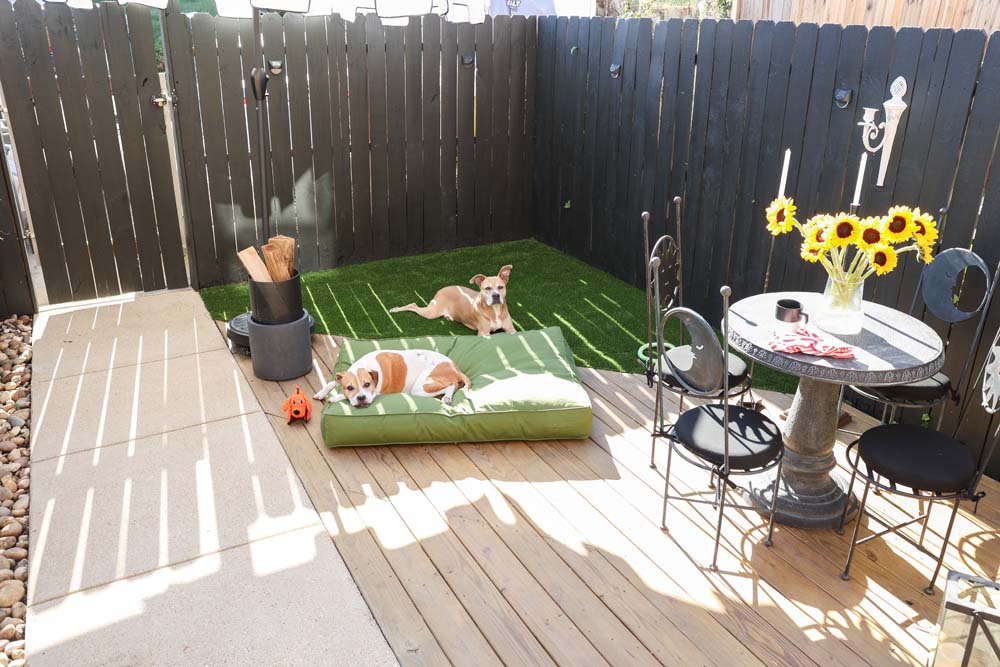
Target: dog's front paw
<point x="446" y="400"/>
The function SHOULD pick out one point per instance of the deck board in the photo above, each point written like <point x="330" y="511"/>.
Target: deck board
<point x="551" y="552"/>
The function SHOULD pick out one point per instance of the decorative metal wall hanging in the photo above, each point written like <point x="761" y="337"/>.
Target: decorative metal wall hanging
<point x="894" y="108"/>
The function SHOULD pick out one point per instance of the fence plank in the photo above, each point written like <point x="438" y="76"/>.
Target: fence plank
<point x="396" y="154"/>
<point x="651" y="121"/>
<point x="785" y="248"/>
<point x="748" y="227"/>
<point x="340" y="117"/>
<point x="62" y="184"/>
<point x="576" y="220"/>
<point x="96" y="82"/>
<point x="449" y="133"/>
<point x="414" y="138"/>
<point x="906" y="58"/>
<point x="465" y="122"/>
<point x="322" y="139"/>
<point x="663" y="192"/>
<point x="632" y="206"/>
<point x="154" y="133"/>
<point x="65" y="55"/>
<point x="303" y="185"/>
<point x="484" y="128"/>
<point x="431" y="131"/>
<point x="210" y="97"/>
<point x="192" y="146"/>
<point x="599" y="30"/>
<point x="736" y="118"/>
<point x="704" y="244"/>
<point x="817" y="126"/>
<point x="543" y="146"/>
<point x="357" y="68"/>
<point x="566" y="111"/>
<point x="500" y="141"/>
<point x="21" y="114"/>
<point x="281" y="198"/>
<point x="378" y="134"/>
<point x="530" y="115"/>
<point x="15" y="286"/>
<point x="248" y="61"/>
<point x="696" y="154"/>
<point x="771" y="155"/>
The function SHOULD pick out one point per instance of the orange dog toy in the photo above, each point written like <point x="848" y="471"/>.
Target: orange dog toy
<point x="297" y="406"/>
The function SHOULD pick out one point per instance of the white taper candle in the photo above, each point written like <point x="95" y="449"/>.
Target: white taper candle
<point x="784" y="172"/>
<point x="861" y="178"/>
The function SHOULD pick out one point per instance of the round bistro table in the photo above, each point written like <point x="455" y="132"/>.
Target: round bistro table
<point x="892" y="348"/>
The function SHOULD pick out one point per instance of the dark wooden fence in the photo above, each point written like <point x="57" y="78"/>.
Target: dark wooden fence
<point x="382" y="141"/>
<point x="705" y="110"/>
<point x="92" y="149"/>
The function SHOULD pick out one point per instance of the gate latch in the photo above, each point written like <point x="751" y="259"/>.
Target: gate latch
<point x="160" y="101"/>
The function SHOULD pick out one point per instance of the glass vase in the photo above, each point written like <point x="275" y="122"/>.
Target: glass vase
<point x="841" y="313"/>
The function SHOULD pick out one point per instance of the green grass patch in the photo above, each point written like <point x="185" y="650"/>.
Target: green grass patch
<point x="603" y="318"/>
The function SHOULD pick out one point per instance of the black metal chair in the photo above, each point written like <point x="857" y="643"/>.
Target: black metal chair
<point x="936" y="289"/>
<point x="933" y="466"/>
<point x="723" y="439"/>
<point x="664" y="291"/>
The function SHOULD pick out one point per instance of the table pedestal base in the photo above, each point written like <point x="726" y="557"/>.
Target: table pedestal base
<point x="810" y="494"/>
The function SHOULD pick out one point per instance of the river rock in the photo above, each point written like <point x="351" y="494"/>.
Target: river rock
<point x="11" y="591"/>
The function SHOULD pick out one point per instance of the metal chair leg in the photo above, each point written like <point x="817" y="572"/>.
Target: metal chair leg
<point x="927" y="518"/>
<point x="854" y="536"/>
<point x="718" y="526"/>
<point x="944" y="547"/>
<point x="774" y="505"/>
<point x="657" y="423"/>
<point x="666" y="485"/>
<point x="850" y="490"/>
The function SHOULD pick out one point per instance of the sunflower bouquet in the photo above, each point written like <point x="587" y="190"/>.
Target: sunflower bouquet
<point x="852" y="249"/>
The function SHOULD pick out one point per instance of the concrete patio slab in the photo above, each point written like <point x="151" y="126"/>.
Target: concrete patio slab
<point x="168" y="525"/>
<point x="286" y="600"/>
<point x="103" y="408"/>
<point x="121" y="333"/>
<point x="126" y="509"/>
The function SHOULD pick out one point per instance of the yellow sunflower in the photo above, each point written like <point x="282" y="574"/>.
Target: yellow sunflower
<point x="883" y="259"/>
<point x="811" y="252"/>
<point x="925" y="231"/>
<point x="926" y="256"/>
<point x="898" y="224"/>
<point x="781" y="216"/>
<point x="844" y="230"/>
<point x="871" y="233"/>
<point x="817" y="231"/>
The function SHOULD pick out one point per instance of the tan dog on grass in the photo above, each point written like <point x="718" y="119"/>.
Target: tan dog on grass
<point x="413" y="372"/>
<point x="484" y="311"/>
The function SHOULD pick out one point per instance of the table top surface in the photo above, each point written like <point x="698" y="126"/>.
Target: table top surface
<point x="892" y="348"/>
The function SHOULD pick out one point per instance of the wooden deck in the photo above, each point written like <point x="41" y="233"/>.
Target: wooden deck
<point x="540" y="553"/>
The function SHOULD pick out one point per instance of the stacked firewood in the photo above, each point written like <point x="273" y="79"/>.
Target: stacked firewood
<point x="278" y="263"/>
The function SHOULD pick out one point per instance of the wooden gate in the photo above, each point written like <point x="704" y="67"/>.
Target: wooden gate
<point x="92" y="147"/>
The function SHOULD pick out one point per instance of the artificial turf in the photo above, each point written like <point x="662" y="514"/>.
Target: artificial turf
<point x="603" y="318"/>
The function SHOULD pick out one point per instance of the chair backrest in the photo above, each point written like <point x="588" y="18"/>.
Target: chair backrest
<point x="939" y="279"/>
<point x="706" y="374"/>
<point x="663" y="279"/>
<point x="937" y="289"/>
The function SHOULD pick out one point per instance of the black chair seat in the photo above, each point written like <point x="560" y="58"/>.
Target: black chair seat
<point x="918" y="458"/>
<point x="683" y="359"/>
<point x="931" y="390"/>
<point x="754" y="440"/>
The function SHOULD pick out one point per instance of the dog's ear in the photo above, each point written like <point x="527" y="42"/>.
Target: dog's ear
<point x="339" y="378"/>
<point x="477" y="279"/>
<point x="505" y="272"/>
<point x="374" y="375"/>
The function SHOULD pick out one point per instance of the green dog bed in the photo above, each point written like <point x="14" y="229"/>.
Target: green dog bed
<point x="524" y="387"/>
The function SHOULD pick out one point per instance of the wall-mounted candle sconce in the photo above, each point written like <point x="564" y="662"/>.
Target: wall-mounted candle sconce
<point x="894" y="108"/>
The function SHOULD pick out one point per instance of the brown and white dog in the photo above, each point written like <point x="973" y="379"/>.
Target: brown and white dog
<point x="484" y="311"/>
<point x="413" y="372"/>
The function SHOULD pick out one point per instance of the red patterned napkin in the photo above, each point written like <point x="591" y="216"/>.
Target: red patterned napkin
<point x="804" y="341"/>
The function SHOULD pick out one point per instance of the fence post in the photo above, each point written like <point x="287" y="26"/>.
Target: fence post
<point x="178" y="153"/>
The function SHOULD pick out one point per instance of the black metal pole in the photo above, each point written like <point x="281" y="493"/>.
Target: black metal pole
<point x="258" y="85"/>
